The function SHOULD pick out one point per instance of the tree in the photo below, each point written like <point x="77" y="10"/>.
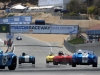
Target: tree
<point x="91" y="10"/>
<point x="73" y="6"/>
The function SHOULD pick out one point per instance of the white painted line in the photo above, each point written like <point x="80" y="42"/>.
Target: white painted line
<point x="40" y="41"/>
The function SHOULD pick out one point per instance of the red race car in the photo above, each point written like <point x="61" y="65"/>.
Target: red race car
<point x="62" y="59"/>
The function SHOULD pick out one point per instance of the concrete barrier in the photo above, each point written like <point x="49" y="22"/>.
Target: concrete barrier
<point x="69" y="47"/>
<point x="88" y="46"/>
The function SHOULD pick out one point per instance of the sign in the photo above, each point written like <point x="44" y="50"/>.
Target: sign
<point x="9" y="36"/>
<point x="16" y="20"/>
<point x="19" y="29"/>
<point x="30" y="28"/>
<point x="64" y="29"/>
<point x="4" y="28"/>
<point x="40" y="28"/>
<point x="43" y="29"/>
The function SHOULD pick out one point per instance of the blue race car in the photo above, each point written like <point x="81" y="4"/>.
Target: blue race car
<point x="84" y="57"/>
<point x="8" y="60"/>
<point x="24" y="58"/>
<point x="18" y="38"/>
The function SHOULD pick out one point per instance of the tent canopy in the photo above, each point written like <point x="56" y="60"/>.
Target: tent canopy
<point x="43" y="7"/>
<point x="19" y="7"/>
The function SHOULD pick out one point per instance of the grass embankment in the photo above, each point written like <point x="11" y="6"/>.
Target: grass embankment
<point x="77" y="40"/>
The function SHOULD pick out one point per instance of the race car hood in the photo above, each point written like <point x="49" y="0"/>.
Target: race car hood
<point x="26" y="56"/>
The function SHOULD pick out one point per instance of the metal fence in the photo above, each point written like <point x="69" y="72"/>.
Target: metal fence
<point x="75" y="17"/>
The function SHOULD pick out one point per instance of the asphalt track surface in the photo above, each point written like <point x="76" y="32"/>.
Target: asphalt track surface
<point x="40" y="50"/>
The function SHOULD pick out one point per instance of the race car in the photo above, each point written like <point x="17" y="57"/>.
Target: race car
<point x="84" y="57"/>
<point x="18" y="38"/>
<point x="24" y="58"/>
<point x="49" y="58"/>
<point x="62" y="59"/>
<point x="8" y="59"/>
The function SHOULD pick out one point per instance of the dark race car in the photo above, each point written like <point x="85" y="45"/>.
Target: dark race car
<point x="24" y="58"/>
<point x="18" y="38"/>
<point x="62" y="59"/>
<point x="84" y="57"/>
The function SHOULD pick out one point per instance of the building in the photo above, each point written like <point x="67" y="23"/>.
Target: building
<point x="58" y="3"/>
<point x="94" y="32"/>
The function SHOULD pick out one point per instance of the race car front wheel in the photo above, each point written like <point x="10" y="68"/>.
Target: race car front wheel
<point x="13" y="64"/>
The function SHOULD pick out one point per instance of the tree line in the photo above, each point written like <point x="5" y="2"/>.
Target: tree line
<point x="73" y="6"/>
<point x="20" y="1"/>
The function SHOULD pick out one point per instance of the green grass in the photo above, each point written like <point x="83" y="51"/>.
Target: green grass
<point x="77" y="41"/>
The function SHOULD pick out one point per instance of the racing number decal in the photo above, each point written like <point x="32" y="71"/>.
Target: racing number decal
<point x="85" y="58"/>
<point x="4" y="60"/>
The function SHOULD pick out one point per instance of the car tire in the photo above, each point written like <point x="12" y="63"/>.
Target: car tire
<point x="47" y="61"/>
<point x="13" y="64"/>
<point x="2" y="67"/>
<point x="73" y="64"/>
<point x="94" y="65"/>
<point x="33" y="61"/>
<point x="55" y="63"/>
<point x="19" y="61"/>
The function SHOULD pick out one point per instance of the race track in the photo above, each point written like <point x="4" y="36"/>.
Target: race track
<point x="40" y="50"/>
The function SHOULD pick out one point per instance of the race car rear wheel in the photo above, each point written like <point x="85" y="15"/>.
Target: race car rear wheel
<point x="13" y="64"/>
<point x="94" y="65"/>
<point x="55" y="63"/>
<point x="47" y="61"/>
<point x="33" y="61"/>
<point x="2" y="67"/>
<point x="73" y="64"/>
<point x="19" y="61"/>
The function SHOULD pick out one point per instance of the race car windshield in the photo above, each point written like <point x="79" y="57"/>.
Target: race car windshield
<point x="85" y="51"/>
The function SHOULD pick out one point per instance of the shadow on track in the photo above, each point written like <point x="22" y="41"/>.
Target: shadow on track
<point x="39" y="46"/>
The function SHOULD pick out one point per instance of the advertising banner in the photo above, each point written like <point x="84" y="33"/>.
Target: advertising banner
<point x="30" y="29"/>
<point x="40" y="28"/>
<point x="16" y="20"/>
<point x="19" y="29"/>
<point x="64" y="29"/>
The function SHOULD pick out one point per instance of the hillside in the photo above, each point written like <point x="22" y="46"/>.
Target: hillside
<point x="56" y="20"/>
